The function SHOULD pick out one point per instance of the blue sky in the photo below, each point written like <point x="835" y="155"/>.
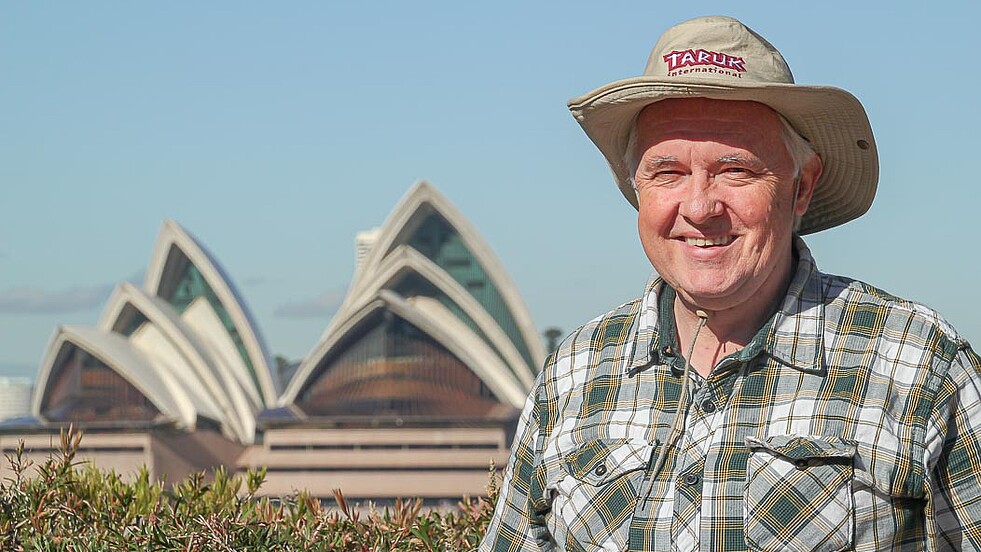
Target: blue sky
<point x="275" y="132"/>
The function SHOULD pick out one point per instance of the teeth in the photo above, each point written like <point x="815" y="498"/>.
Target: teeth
<point x="706" y="242"/>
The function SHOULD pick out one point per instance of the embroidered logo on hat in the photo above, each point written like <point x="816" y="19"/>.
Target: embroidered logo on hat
<point x="688" y="58"/>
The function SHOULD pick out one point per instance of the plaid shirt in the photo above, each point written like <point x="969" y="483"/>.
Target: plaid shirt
<point x="852" y="421"/>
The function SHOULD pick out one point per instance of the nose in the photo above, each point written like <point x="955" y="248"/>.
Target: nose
<point x="702" y="202"/>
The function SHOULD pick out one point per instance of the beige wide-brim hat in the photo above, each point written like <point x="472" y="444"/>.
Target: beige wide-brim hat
<point x="719" y="57"/>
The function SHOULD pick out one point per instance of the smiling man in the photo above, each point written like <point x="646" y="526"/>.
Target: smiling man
<point x="746" y="401"/>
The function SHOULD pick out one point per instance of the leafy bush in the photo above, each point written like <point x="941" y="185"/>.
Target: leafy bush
<point x="64" y="505"/>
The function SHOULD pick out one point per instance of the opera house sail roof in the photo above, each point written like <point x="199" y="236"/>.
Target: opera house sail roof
<point x="431" y="325"/>
<point x="182" y="350"/>
<point x="414" y="385"/>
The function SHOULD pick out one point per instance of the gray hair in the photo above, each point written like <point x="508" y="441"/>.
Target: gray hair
<point x="799" y="149"/>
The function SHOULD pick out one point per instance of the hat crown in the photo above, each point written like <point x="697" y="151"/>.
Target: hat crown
<point x="716" y="49"/>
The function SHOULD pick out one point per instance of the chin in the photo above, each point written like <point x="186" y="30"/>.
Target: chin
<point x="710" y="298"/>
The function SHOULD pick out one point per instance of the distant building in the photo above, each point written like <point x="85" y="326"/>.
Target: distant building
<point x="414" y="388"/>
<point x="15" y="397"/>
<point x="363" y="242"/>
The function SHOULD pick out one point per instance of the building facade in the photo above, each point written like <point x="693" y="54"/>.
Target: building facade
<point x="15" y="397"/>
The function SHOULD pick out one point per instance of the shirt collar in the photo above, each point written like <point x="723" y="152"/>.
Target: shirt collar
<point x="645" y="331"/>
<point x="797" y="336"/>
<point x="794" y="336"/>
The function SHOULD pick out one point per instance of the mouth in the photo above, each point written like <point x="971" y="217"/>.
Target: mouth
<point x="709" y="242"/>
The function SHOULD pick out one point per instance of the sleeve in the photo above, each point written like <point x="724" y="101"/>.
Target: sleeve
<point x="954" y="511"/>
<point x="516" y="524"/>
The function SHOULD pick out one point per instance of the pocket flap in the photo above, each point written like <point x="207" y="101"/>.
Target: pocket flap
<point x="601" y="460"/>
<point x="796" y="447"/>
<point x="798" y="493"/>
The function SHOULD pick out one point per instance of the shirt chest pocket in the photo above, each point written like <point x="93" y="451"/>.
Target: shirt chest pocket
<point x="594" y="491"/>
<point x="798" y="494"/>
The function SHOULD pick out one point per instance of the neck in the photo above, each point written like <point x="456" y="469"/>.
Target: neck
<point x="727" y="330"/>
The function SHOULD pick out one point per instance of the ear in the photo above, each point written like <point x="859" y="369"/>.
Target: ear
<point x="809" y="175"/>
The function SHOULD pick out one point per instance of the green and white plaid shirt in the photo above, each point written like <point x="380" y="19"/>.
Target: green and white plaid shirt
<point x="851" y="422"/>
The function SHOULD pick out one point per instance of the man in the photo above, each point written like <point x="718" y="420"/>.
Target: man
<point x="746" y="401"/>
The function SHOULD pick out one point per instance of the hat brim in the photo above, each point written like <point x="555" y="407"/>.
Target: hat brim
<point x="831" y="119"/>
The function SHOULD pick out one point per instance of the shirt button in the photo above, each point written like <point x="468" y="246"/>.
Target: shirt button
<point x="691" y="479"/>
<point x="600" y="470"/>
<point x="667" y="351"/>
<point x="708" y="406"/>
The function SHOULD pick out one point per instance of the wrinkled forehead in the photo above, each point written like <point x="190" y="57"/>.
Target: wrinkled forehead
<point x="744" y="125"/>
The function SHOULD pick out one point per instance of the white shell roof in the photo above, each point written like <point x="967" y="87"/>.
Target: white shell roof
<point x="199" y="371"/>
<point x="499" y="364"/>
<point x="172" y="235"/>
<point x="187" y="363"/>
<point x="116" y="352"/>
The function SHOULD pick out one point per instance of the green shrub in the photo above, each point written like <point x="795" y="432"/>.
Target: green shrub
<point x="64" y="505"/>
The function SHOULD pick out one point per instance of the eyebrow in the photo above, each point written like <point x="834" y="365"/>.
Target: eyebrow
<point x="660" y="160"/>
<point x="738" y="159"/>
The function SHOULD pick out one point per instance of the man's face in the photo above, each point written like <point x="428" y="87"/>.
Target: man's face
<point x="718" y="194"/>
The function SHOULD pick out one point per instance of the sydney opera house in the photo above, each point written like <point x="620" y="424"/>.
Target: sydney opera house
<point x="413" y="389"/>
